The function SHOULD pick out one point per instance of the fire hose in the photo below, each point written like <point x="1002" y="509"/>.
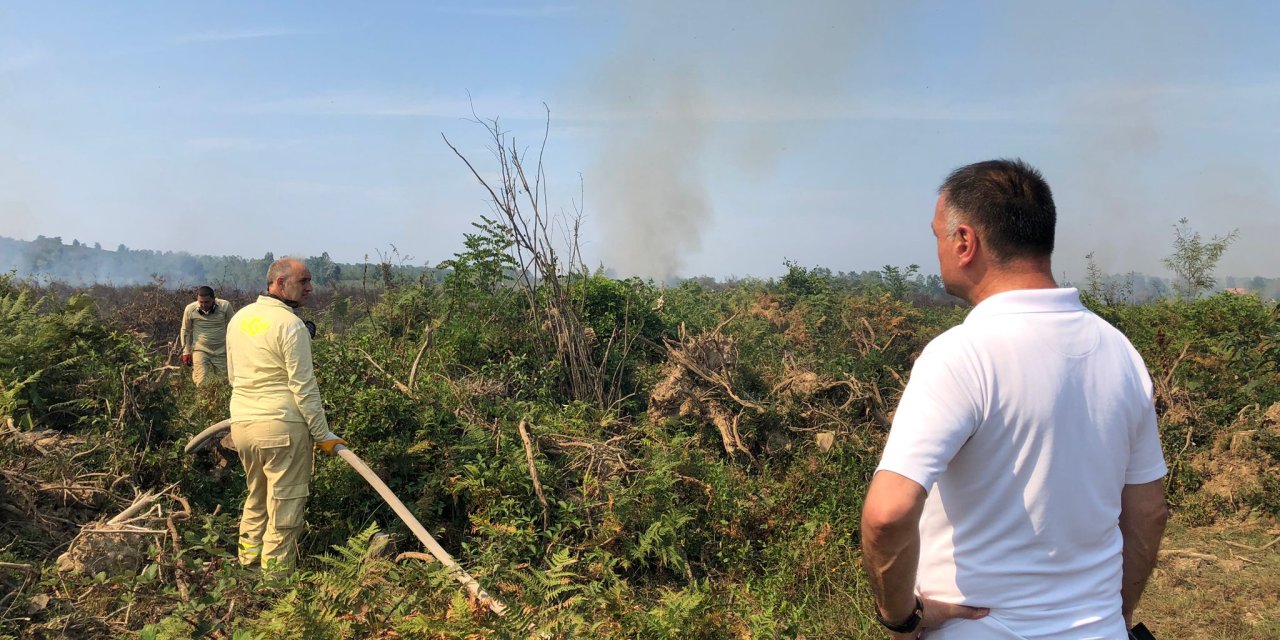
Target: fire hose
<point x="220" y="429"/>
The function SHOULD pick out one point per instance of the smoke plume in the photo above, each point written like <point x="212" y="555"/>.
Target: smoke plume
<point x="697" y="85"/>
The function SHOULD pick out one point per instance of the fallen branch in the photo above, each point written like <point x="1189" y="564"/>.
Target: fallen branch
<point x="399" y="385"/>
<point x="415" y="555"/>
<point x="413" y="370"/>
<point x="1187" y="553"/>
<point x="10" y="428"/>
<point x="184" y="591"/>
<point x="139" y="503"/>
<point x="1241" y="546"/>
<point x="18" y="566"/>
<point x="533" y="474"/>
<point x="714" y="378"/>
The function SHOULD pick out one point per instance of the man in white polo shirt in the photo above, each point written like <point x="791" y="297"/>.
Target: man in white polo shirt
<point x="1019" y="495"/>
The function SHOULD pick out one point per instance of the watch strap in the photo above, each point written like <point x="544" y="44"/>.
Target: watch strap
<point x="908" y="625"/>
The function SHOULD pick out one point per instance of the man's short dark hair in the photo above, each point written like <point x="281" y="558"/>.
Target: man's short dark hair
<point x="205" y="291"/>
<point x="1008" y="202"/>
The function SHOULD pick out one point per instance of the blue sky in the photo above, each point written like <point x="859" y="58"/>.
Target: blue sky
<point x="713" y="138"/>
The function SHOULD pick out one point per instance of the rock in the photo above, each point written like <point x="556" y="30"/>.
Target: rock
<point x="38" y="603"/>
<point x="825" y="440"/>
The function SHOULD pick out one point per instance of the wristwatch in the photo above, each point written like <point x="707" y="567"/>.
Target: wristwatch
<point x="908" y="625"/>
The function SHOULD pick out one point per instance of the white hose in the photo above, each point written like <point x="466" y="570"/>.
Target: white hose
<point x="202" y="439"/>
<point x="418" y="530"/>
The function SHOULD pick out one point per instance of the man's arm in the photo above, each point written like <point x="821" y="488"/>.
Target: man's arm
<point x="302" y="381"/>
<point x="891" y="553"/>
<point x="891" y="542"/>
<point x="1143" y="514"/>
<point x="187" y="333"/>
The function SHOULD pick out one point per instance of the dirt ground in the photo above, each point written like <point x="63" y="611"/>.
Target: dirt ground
<point x="1216" y="582"/>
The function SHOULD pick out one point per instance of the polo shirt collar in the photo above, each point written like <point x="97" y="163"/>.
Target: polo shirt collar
<point x="1028" y="301"/>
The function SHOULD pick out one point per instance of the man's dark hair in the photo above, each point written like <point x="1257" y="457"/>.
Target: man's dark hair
<point x="205" y="291"/>
<point x="1008" y="202"/>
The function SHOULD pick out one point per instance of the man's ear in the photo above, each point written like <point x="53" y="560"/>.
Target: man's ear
<point x="966" y="244"/>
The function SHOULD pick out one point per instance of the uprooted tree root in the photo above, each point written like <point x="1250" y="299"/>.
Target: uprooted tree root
<point x="697" y="382"/>
<point x="121" y="543"/>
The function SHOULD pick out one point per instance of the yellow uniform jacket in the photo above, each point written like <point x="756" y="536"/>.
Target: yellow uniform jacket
<point x="269" y="366"/>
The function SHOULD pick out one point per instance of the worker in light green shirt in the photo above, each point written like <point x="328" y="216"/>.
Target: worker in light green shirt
<point x="276" y="415"/>
<point x="204" y="336"/>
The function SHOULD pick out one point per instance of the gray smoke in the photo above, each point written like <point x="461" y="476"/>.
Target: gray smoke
<point x="696" y="85"/>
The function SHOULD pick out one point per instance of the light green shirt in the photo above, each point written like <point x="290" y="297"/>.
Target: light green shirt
<point x="207" y="333"/>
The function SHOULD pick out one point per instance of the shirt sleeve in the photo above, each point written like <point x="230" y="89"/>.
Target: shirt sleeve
<point x="231" y="376"/>
<point x="228" y="310"/>
<point x="940" y="409"/>
<point x="186" y="334"/>
<point x="1146" y="457"/>
<point x="302" y="380"/>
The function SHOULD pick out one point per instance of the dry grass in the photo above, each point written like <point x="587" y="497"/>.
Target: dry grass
<point x="1216" y="582"/>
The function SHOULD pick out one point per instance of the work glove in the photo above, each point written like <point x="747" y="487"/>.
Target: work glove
<point x="186" y="359"/>
<point x="328" y="442"/>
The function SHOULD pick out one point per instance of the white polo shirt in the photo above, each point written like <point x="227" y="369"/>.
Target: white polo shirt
<point x="1024" y="423"/>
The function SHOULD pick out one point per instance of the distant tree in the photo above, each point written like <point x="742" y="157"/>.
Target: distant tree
<point x="321" y="268"/>
<point x="899" y="281"/>
<point x="1194" y="259"/>
<point x="97" y="246"/>
<point x="1110" y="291"/>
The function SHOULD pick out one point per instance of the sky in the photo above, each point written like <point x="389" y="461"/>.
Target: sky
<point x="691" y="138"/>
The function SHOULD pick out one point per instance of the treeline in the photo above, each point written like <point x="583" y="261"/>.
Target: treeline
<point x="709" y="489"/>
<point x="82" y="264"/>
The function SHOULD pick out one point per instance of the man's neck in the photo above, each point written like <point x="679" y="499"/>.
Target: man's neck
<point x="292" y="304"/>
<point x="1017" y="277"/>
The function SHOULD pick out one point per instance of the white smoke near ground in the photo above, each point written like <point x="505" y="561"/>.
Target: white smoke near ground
<point x="698" y="83"/>
<point x="653" y="198"/>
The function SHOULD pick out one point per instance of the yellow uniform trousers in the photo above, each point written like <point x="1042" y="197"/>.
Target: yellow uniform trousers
<point x="207" y="367"/>
<point x="277" y="462"/>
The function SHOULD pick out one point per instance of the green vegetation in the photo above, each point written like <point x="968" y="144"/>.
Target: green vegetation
<point x="710" y="491"/>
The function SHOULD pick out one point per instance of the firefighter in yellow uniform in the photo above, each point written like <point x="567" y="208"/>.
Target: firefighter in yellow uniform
<point x="204" y="336"/>
<point x="276" y="415"/>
